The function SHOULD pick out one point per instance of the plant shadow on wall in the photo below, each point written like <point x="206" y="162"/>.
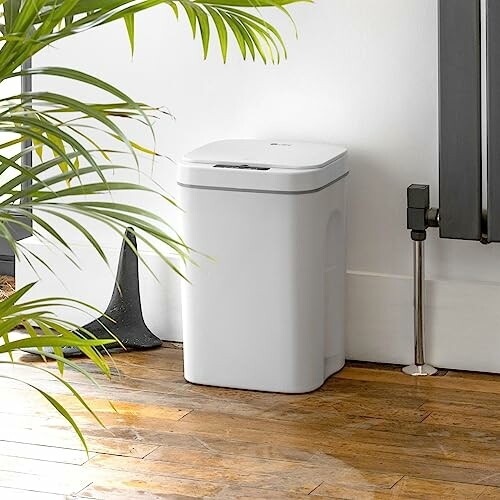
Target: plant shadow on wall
<point x="69" y="183"/>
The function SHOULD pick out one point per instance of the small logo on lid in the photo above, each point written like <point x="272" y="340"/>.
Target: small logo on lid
<point x="279" y="144"/>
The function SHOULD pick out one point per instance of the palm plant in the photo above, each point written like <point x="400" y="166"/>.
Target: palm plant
<point x="72" y="165"/>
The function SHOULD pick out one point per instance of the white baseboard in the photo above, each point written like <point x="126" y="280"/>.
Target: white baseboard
<point x="462" y="322"/>
<point x="463" y="318"/>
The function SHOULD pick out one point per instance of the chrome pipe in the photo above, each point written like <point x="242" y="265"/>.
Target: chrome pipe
<point x="418" y="299"/>
<point x="419" y="368"/>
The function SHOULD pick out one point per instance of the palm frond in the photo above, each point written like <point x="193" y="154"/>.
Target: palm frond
<point x="69" y="183"/>
<point x="53" y="21"/>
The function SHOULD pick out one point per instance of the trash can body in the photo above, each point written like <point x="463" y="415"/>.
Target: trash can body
<point x="267" y="313"/>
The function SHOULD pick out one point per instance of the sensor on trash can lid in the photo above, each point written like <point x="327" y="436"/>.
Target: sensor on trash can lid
<point x="286" y="155"/>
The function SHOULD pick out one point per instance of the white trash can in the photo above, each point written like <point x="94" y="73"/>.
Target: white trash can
<point x="267" y="313"/>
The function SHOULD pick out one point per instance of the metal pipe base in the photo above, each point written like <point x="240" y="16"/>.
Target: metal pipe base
<point x="419" y="370"/>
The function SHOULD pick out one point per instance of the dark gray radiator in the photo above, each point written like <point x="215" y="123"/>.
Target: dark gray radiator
<point x="460" y="119"/>
<point x="493" y="90"/>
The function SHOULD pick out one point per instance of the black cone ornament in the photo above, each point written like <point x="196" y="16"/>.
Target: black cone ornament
<point x="127" y="323"/>
<point x="125" y="305"/>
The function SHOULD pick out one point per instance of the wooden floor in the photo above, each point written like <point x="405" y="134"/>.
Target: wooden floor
<point x="369" y="433"/>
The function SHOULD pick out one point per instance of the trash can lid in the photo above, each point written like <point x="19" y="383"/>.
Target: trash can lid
<point x="273" y="154"/>
<point x="263" y="166"/>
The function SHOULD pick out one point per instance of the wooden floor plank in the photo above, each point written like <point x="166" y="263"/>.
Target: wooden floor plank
<point x="45" y="453"/>
<point x="487" y="384"/>
<point x="490" y="493"/>
<point x="150" y="487"/>
<point x="452" y="419"/>
<point x="48" y="483"/>
<point x="63" y="437"/>
<point x="24" y="494"/>
<point x="407" y="488"/>
<point x="242" y="492"/>
<point x="396" y="391"/>
<point x="278" y="475"/>
<point x="424" y="489"/>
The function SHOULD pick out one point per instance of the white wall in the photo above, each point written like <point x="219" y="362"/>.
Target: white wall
<point x="363" y="73"/>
